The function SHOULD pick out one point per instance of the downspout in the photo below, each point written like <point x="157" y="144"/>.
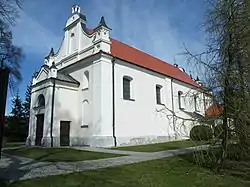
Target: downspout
<point x="52" y="113"/>
<point x="204" y="103"/>
<point x="172" y="97"/>
<point x="113" y="99"/>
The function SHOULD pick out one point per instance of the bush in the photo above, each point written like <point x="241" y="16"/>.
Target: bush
<point x="201" y="132"/>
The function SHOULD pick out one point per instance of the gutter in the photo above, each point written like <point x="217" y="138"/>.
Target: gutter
<point x="173" y="108"/>
<point x="113" y="99"/>
<point x="52" y="112"/>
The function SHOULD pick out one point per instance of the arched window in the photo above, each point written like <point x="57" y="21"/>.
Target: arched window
<point x="41" y="101"/>
<point x="158" y="94"/>
<point x="127" y="87"/>
<point x="85" y="82"/>
<point x="181" y="100"/>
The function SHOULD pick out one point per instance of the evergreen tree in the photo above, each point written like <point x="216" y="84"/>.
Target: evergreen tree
<point x="26" y="104"/>
<point x="17" y="127"/>
<point x="17" y="107"/>
<point x="27" y="100"/>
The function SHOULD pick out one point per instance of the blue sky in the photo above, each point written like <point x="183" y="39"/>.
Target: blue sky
<point x="158" y="27"/>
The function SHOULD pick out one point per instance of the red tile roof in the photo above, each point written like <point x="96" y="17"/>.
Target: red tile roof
<point x="137" y="57"/>
<point x="213" y="111"/>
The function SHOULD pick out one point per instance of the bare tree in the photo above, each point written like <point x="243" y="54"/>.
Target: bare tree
<point x="9" y="10"/>
<point x="10" y="55"/>
<point x="227" y="65"/>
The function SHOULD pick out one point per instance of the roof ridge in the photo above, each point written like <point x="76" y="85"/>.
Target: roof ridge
<point x="162" y="61"/>
<point x="152" y="62"/>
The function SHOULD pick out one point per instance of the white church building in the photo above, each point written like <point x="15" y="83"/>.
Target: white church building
<point x="97" y="91"/>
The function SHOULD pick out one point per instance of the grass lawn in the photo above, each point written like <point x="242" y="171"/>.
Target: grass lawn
<point x="162" y="146"/>
<point x="58" y="154"/>
<point x="169" y="172"/>
<point x="12" y="145"/>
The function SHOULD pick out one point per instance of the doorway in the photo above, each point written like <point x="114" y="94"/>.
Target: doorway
<point x="39" y="129"/>
<point x="64" y="133"/>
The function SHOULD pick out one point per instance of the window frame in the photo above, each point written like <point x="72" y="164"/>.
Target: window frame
<point x="41" y="101"/>
<point x="158" y="94"/>
<point x="127" y="88"/>
<point x="181" y="100"/>
<point x="196" y="108"/>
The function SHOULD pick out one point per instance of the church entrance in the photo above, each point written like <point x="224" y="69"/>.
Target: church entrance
<point x="39" y="129"/>
<point x="64" y="133"/>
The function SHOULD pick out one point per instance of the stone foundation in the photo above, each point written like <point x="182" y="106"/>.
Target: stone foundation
<point x="105" y="141"/>
<point x="94" y="141"/>
<point x="131" y="141"/>
<point x="46" y="142"/>
<point x="30" y="141"/>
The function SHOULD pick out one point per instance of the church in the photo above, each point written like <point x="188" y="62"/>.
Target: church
<point x="97" y="91"/>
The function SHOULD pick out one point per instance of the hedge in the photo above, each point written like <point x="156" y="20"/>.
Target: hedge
<point x="201" y="132"/>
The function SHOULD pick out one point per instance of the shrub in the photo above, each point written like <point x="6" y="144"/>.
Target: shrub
<point x="201" y="132"/>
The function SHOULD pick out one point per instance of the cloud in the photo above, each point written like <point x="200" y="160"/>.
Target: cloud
<point x="146" y="25"/>
<point x="32" y="36"/>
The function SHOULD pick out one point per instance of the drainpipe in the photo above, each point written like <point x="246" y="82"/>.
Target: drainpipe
<point x="52" y="113"/>
<point x="172" y="97"/>
<point x="113" y="99"/>
<point x="204" y="102"/>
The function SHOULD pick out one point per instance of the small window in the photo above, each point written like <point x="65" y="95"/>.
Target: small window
<point x="41" y="101"/>
<point x="127" y="87"/>
<point x="158" y="94"/>
<point x="195" y="103"/>
<point x="180" y="100"/>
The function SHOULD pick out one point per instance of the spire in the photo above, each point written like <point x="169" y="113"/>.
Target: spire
<point x="51" y="53"/>
<point x="197" y="79"/>
<point x="190" y="75"/>
<point x="102" y="23"/>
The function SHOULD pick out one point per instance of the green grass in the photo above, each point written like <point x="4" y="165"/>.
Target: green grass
<point x="169" y="172"/>
<point x="162" y="146"/>
<point x="6" y="145"/>
<point x="58" y="154"/>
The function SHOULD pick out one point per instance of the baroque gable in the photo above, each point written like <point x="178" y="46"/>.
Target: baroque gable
<point x="79" y="42"/>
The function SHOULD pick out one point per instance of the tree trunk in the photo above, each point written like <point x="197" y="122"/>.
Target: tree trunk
<point x="4" y="77"/>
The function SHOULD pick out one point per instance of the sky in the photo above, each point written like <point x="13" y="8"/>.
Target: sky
<point x="157" y="27"/>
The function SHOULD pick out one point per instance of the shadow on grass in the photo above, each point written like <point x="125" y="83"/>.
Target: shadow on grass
<point x="237" y="164"/>
<point x="19" y="167"/>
